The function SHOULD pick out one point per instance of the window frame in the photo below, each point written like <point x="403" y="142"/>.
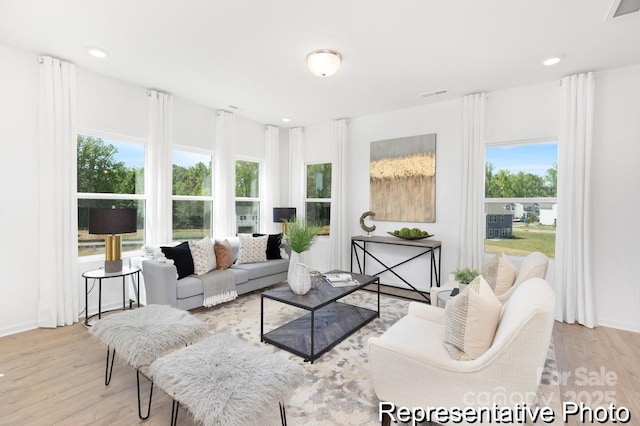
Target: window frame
<point x="509" y="200"/>
<point x="83" y="131"/>
<point x="316" y="200"/>
<point x="259" y="199"/>
<point x="205" y="198"/>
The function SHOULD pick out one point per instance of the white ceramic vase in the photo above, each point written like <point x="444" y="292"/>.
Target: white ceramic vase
<point x="298" y="275"/>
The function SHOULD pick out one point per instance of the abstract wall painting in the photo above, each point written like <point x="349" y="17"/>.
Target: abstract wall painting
<point x="402" y="179"/>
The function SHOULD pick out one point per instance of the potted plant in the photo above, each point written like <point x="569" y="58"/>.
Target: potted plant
<point x="464" y="276"/>
<point x="299" y="235"/>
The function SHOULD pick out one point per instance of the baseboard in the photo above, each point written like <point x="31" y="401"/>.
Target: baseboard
<point x="620" y="325"/>
<point x="18" y="328"/>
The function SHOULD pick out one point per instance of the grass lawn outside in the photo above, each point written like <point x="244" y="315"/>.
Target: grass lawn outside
<point x="526" y="239"/>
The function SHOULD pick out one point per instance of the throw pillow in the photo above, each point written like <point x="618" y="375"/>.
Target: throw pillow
<point x="224" y="254"/>
<point x="273" y="245"/>
<point x="181" y="256"/>
<point x="500" y="273"/>
<point x="252" y="250"/>
<point x="470" y="320"/>
<point x="204" y="259"/>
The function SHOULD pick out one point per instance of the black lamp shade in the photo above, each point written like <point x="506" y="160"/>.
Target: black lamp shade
<point x="113" y="221"/>
<point x="283" y="213"/>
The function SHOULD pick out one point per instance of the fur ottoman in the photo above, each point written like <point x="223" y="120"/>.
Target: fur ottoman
<point x="225" y="380"/>
<point x="144" y="334"/>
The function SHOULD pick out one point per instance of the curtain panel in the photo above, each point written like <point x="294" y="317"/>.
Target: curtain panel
<point x="471" y="252"/>
<point x="58" y="206"/>
<point x="158" y="208"/>
<point x="296" y="170"/>
<point x="225" y="176"/>
<point x="272" y="177"/>
<point x="575" y="294"/>
<point x="339" y="238"/>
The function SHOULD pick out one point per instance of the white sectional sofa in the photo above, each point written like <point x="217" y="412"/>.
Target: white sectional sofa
<point x="163" y="287"/>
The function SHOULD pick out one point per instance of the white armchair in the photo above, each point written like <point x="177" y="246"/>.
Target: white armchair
<point x="534" y="265"/>
<point x="410" y="366"/>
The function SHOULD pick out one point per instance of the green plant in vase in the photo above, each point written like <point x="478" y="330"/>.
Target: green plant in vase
<point x="300" y="236"/>
<point x="465" y="275"/>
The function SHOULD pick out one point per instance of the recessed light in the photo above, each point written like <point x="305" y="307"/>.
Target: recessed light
<point x="552" y="60"/>
<point x="97" y="52"/>
<point x="285" y="119"/>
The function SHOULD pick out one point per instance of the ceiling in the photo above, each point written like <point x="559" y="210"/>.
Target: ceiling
<point x="251" y="53"/>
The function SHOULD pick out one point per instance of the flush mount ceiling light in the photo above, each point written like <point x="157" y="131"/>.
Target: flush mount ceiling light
<point x="552" y="60"/>
<point x="285" y="119"/>
<point x="97" y="52"/>
<point x="323" y="62"/>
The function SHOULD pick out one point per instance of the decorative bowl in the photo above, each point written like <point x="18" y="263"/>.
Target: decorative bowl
<point x="410" y="238"/>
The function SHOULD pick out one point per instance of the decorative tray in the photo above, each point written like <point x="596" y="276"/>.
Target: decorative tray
<point x="410" y="238"/>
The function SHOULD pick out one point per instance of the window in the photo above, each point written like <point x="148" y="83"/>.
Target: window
<point x="110" y="172"/>
<point x="192" y="195"/>
<point x="247" y="196"/>
<point x="318" y="196"/>
<point x="520" y="197"/>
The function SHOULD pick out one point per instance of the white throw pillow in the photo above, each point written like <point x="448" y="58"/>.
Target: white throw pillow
<point x="470" y="321"/>
<point x="500" y="273"/>
<point x="252" y="249"/>
<point x="204" y="258"/>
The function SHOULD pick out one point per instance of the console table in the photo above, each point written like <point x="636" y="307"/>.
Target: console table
<point x="426" y="249"/>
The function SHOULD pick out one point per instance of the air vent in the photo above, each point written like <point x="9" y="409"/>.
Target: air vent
<point x="623" y="7"/>
<point x="434" y="93"/>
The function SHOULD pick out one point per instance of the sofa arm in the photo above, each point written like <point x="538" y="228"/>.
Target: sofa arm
<point x="160" y="282"/>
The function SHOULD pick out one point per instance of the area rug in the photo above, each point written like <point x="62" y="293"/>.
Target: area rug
<point x="338" y="389"/>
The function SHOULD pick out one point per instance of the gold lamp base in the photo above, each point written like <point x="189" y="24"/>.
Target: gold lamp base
<point x="113" y="253"/>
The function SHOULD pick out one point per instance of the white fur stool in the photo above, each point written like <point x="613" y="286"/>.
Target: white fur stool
<point x="142" y="335"/>
<point x="225" y="380"/>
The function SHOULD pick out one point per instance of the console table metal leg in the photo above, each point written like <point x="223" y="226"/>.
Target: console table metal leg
<point x="313" y="330"/>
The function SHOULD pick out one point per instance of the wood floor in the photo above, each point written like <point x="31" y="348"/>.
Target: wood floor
<point x="56" y="377"/>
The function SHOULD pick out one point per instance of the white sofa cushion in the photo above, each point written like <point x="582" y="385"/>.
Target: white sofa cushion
<point x="252" y="249"/>
<point x="204" y="258"/>
<point x="499" y="273"/>
<point x="470" y="321"/>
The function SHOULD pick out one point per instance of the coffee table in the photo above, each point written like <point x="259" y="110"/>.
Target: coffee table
<point x="328" y="322"/>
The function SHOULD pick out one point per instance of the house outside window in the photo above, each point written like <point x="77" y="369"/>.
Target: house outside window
<point x="247" y="196"/>
<point x="318" y="196"/>
<point x="110" y="172"/>
<point x="192" y="194"/>
<point x="520" y="197"/>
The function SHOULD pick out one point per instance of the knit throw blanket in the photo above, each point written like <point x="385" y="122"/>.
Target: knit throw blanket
<point x="219" y="286"/>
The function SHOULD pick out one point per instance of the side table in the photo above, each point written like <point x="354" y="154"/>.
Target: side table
<point x="100" y="274"/>
<point x="445" y="295"/>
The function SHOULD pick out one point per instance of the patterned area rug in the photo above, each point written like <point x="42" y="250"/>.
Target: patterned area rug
<point x="338" y="388"/>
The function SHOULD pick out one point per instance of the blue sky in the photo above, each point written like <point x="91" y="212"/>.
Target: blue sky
<point x="530" y="158"/>
<point x="132" y="154"/>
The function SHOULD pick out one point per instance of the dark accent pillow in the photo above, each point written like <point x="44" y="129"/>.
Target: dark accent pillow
<point x="273" y="245"/>
<point x="181" y="255"/>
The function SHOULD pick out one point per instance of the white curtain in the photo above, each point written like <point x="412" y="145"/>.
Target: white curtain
<point x="473" y="157"/>
<point x="575" y="299"/>
<point x="272" y="178"/>
<point x="339" y="239"/>
<point x="296" y="170"/>
<point x="159" y="179"/>
<point x="58" y="206"/>
<point x="225" y="176"/>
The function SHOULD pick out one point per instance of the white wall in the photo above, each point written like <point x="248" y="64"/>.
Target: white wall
<point x="615" y="197"/>
<point x="19" y="190"/>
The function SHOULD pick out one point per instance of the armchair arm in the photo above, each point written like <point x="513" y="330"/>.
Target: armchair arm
<point x="161" y="282"/>
<point x="427" y="312"/>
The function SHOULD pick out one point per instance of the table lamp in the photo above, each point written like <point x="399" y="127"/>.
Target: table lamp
<point x="112" y="222"/>
<point x="282" y="215"/>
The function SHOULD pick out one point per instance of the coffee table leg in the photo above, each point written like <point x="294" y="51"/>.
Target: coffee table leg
<point x="261" y="318"/>
<point x="312" y="334"/>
